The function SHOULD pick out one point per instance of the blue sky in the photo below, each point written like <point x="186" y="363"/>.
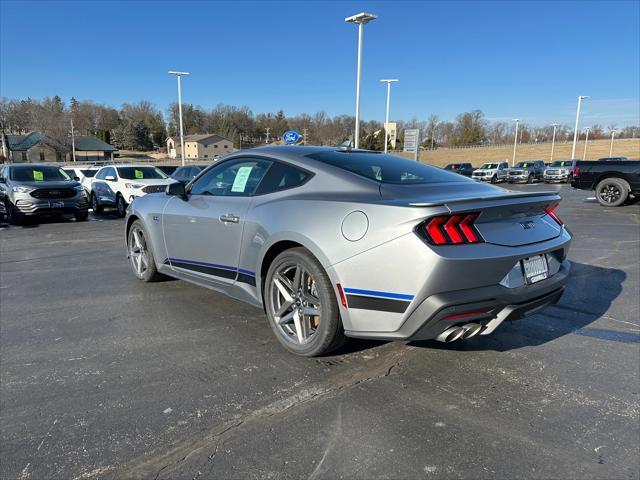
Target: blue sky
<point x="510" y="59"/>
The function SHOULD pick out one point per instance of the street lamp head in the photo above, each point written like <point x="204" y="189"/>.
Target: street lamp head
<point x="555" y="124"/>
<point x="390" y="80"/>
<point x="178" y="73"/>
<point x="361" y="18"/>
<point x="583" y="97"/>
<point x="517" y="120"/>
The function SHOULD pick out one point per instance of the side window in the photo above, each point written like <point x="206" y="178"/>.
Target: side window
<point x="238" y="178"/>
<point x="280" y="177"/>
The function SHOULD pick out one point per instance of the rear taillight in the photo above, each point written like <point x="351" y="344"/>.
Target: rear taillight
<point x="450" y="229"/>
<point x="551" y="212"/>
<point x="576" y="171"/>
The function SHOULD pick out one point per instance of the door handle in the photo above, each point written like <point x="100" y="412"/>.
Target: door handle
<point x="229" y="218"/>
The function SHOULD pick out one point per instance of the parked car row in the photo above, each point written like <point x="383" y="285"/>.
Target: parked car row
<point x="44" y="190"/>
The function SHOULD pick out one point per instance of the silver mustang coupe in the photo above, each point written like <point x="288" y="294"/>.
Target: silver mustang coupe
<point x="337" y="243"/>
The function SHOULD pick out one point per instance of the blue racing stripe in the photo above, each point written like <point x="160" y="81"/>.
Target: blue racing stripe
<point x="213" y="265"/>
<point x="373" y="293"/>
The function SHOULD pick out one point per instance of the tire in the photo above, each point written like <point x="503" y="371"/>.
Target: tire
<point x="140" y="254"/>
<point x="612" y="192"/>
<point x="316" y="334"/>
<point x="494" y="179"/>
<point x="13" y="216"/>
<point x="95" y="205"/>
<point x="530" y="178"/>
<point x="81" y="216"/>
<point x="121" y="206"/>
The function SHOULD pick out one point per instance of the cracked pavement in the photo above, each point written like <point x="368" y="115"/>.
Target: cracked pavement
<point x="102" y="376"/>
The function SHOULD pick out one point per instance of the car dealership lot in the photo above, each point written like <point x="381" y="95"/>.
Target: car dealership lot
<point x="104" y="376"/>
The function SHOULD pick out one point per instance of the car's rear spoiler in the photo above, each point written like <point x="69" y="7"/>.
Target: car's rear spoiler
<point x="550" y="196"/>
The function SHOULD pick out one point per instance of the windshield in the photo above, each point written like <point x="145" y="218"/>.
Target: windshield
<point x="489" y="166"/>
<point x="524" y="165"/>
<point x="387" y="168"/>
<point x="140" y="173"/>
<point x="36" y="173"/>
<point x="561" y="163"/>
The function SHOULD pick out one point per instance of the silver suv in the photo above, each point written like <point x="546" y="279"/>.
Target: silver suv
<point x="491" y="172"/>
<point x="32" y="190"/>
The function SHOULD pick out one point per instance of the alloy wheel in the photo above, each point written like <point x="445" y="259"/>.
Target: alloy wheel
<point x="138" y="252"/>
<point x="295" y="304"/>
<point x="610" y="193"/>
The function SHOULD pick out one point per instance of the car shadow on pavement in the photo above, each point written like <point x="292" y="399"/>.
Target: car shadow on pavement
<point x="589" y="293"/>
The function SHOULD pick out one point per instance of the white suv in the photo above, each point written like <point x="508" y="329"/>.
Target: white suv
<point x="118" y="185"/>
<point x="84" y="175"/>
<point x="491" y="172"/>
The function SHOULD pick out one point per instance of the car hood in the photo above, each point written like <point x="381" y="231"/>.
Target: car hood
<point x="478" y="170"/>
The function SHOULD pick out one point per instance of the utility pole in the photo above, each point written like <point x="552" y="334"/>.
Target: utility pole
<point x="359" y="19"/>
<point x="73" y="142"/>
<point x="575" y="129"/>
<point x="386" y="118"/>
<point x="586" y="141"/>
<point x="515" y="142"/>
<point x="180" y="74"/>
<point x="304" y="136"/>
<point x="613" y="134"/>
<point x="553" y="140"/>
<point x="267" y="139"/>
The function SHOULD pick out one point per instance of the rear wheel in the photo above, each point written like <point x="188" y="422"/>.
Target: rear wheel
<point x="301" y="304"/>
<point x="95" y="205"/>
<point x="612" y="192"/>
<point x="140" y="254"/>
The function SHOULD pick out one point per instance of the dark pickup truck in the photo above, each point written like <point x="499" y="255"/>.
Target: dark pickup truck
<point x="614" y="182"/>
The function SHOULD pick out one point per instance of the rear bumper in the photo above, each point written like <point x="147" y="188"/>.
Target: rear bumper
<point x="429" y="318"/>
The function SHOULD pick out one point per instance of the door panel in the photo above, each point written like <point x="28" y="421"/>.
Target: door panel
<point x="203" y="237"/>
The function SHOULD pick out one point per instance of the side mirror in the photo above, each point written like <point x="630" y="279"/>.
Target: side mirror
<point x="110" y="178"/>
<point x="77" y="179"/>
<point x="177" y="190"/>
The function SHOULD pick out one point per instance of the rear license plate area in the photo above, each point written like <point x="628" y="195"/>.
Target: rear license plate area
<point x="535" y="269"/>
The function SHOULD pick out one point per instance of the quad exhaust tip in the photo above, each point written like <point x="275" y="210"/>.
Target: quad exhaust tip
<point x="458" y="332"/>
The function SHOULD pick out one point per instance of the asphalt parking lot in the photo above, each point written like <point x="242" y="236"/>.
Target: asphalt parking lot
<point x="103" y="376"/>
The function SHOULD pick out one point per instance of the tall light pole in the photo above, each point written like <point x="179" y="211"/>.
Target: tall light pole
<point x="360" y="19"/>
<point x="386" y="118"/>
<point x="73" y="142"/>
<point x="586" y="141"/>
<point x="515" y="142"/>
<point x="575" y="130"/>
<point x="180" y="74"/>
<point x="553" y="139"/>
<point x="613" y="134"/>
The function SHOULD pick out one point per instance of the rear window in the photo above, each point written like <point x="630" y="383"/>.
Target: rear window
<point x="385" y="168"/>
<point x="38" y="174"/>
<point x="140" y="173"/>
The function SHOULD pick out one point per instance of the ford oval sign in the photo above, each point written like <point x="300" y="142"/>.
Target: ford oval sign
<point x="291" y="137"/>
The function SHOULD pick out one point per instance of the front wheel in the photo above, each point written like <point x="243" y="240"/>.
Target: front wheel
<point x="140" y="254"/>
<point x="14" y="217"/>
<point x="301" y="304"/>
<point x="95" y="205"/>
<point x="494" y="179"/>
<point x="612" y="192"/>
<point x="121" y="206"/>
<point x="81" y="216"/>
